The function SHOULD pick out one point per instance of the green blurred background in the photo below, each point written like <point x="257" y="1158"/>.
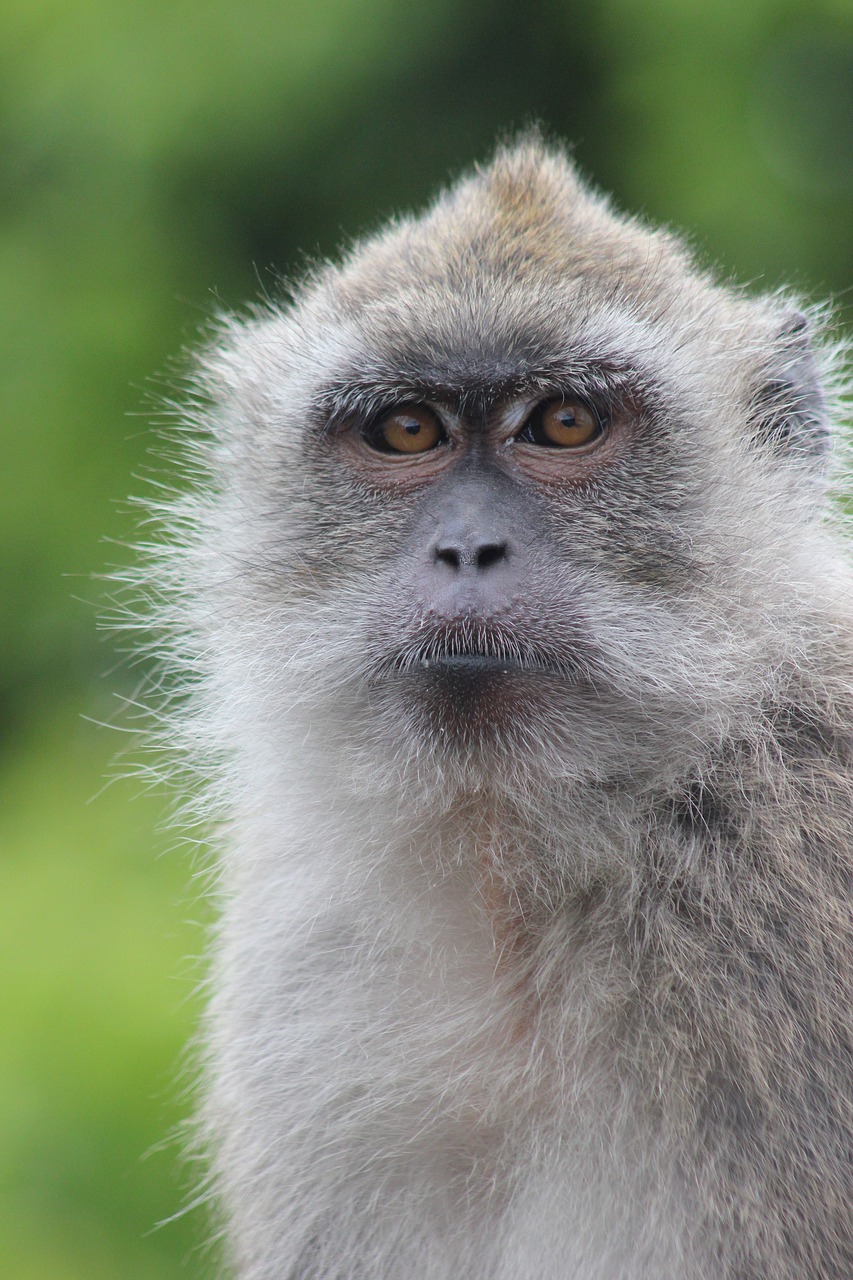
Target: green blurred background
<point x="158" y="160"/>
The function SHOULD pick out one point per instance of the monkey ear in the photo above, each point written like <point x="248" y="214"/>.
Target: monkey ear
<point x="789" y="412"/>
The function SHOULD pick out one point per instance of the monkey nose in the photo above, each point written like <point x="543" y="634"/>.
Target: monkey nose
<point x="470" y="555"/>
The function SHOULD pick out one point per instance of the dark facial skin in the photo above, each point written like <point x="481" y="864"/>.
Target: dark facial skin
<point x="484" y="487"/>
<point x="474" y="569"/>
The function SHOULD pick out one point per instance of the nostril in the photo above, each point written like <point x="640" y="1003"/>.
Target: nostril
<point x="449" y="555"/>
<point x="477" y="557"/>
<point x="490" y="554"/>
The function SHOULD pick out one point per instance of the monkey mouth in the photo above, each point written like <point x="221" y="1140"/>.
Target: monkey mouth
<point x="472" y="685"/>
<point x="468" y="651"/>
<point x="472" y="664"/>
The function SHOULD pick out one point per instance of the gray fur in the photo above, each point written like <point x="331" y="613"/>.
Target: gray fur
<point x="571" y="997"/>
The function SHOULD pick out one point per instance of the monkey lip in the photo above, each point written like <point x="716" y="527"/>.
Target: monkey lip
<point x="456" y="654"/>
<point x="474" y="664"/>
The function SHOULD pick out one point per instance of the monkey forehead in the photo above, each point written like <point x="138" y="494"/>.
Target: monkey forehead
<point x="521" y="267"/>
<point x="474" y="371"/>
<point x="479" y="346"/>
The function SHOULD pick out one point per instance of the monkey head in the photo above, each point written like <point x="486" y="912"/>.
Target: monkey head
<point x="517" y="474"/>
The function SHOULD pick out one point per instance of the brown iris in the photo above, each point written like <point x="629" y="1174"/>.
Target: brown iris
<point x="563" y="424"/>
<point x="409" y="429"/>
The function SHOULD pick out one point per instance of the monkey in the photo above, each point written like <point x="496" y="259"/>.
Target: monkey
<point x="507" y="628"/>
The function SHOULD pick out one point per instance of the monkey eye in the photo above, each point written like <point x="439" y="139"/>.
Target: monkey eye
<point x="412" y="428"/>
<point x="562" y="424"/>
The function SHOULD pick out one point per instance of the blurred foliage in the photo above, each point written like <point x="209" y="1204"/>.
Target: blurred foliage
<point x="157" y="161"/>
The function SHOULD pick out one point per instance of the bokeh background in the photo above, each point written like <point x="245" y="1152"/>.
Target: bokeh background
<point x="158" y="161"/>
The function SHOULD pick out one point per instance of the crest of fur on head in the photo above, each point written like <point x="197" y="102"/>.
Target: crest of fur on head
<point x="531" y="759"/>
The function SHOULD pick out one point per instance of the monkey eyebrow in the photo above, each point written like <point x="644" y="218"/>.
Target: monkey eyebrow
<point x="455" y="383"/>
<point x="362" y="398"/>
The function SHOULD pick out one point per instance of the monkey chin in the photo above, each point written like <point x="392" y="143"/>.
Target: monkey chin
<point x="480" y="705"/>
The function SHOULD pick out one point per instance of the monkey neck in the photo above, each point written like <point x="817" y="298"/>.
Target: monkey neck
<point x="527" y="860"/>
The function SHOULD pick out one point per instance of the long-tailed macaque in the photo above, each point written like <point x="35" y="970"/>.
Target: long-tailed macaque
<point x="515" y="629"/>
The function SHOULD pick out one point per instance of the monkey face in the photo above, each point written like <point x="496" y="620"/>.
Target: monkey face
<point x="468" y="644"/>
<point x="506" y="578"/>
